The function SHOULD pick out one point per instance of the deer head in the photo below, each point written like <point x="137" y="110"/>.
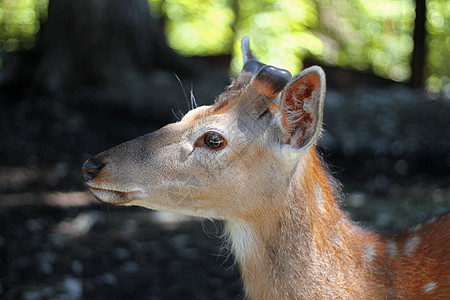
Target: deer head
<point x="220" y="161"/>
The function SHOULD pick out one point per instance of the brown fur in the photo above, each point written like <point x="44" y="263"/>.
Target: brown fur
<point x="302" y="251"/>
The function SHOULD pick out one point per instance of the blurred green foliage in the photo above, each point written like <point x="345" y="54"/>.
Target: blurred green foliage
<point x="373" y="35"/>
<point x="363" y="34"/>
<point x="20" y="22"/>
<point x="437" y="67"/>
<point x="197" y="27"/>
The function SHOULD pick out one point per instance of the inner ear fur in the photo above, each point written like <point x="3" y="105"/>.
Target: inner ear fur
<point x="301" y="104"/>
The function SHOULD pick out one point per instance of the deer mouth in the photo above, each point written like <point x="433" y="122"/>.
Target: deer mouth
<point x="116" y="197"/>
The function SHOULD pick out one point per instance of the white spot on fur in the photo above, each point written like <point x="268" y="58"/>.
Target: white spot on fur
<point x="391" y="248"/>
<point x="417" y="227"/>
<point x="336" y="239"/>
<point x="431" y="220"/>
<point x="370" y="252"/>
<point x="411" y="245"/>
<point x="429" y="287"/>
<point x="318" y="194"/>
<point x="242" y="240"/>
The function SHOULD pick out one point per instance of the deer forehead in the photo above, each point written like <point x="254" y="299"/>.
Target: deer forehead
<point x="196" y="114"/>
<point x="228" y="120"/>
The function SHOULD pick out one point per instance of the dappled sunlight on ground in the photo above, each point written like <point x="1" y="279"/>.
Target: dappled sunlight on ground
<point x="60" y="199"/>
<point x="67" y="245"/>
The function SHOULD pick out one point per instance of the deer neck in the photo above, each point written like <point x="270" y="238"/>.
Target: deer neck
<point x="285" y="251"/>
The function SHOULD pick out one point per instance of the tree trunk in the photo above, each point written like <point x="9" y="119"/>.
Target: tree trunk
<point x="418" y="56"/>
<point x="94" y="44"/>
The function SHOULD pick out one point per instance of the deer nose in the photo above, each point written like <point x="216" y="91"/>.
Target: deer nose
<point x="91" y="168"/>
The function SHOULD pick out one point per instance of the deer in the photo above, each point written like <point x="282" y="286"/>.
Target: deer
<point x="251" y="160"/>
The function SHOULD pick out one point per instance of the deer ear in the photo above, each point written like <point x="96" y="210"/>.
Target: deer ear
<point x="270" y="81"/>
<point x="301" y="105"/>
<point x="263" y="89"/>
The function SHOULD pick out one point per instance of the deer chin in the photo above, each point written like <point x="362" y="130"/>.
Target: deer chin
<point x="116" y="197"/>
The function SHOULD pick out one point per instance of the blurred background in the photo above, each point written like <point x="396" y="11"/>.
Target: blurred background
<point x="78" y="77"/>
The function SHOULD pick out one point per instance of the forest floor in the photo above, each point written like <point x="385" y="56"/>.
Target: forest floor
<point x="58" y="242"/>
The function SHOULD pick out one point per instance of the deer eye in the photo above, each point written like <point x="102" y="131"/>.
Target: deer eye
<point x="213" y="141"/>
